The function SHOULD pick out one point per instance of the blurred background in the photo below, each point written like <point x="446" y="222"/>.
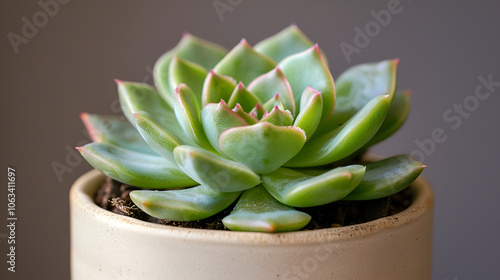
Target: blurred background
<point x="59" y="57"/>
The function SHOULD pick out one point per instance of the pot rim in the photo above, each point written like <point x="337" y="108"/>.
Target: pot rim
<point x="84" y="188"/>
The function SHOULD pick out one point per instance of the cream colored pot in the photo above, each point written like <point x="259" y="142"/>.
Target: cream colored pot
<point x="105" y="245"/>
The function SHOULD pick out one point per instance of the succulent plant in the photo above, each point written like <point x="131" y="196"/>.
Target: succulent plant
<point x="263" y="128"/>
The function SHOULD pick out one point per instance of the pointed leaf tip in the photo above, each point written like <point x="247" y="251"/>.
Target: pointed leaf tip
<point x="244" y="41"/>
<point x="84" y="116"/>
<point x="79" y="148"/>
<point x="117" y="81"/>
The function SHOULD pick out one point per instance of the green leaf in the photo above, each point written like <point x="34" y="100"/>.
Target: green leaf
<point x="242" y="96"/>
<point x="190" y="48"/>
<point x="356" y="87"/>
<point x="274" y="102"/>
<point x="184" y="72"/>
<point x="289" y="41"/>
<point x="217" y="87"/>
<point x="188" y="115"/>
<point x="135" y="97"/>
<point x="396" y="116"/>
<point x="268" y="85"/>
<point x="156" y="135"/>
<point x="258" y="111"/>
<point x="297" y="189"/>
<point x="387" y="177"/>
<point x="346" y="139"/>
<point x="133" y="168"/>
<point x="245" y="116"/>
<point x="116" y="131"/>
<point x="191" y="204"/>
<point x="244" y="64"/>
<point x="263" y="147"/>
<point x="278" y="117"/>
<point x="218" y="173"/>
<point x="257" y="210"/>
<point x="309" y="69"/>
<point x="311" y="105"/>
<point x="216" y="118"/>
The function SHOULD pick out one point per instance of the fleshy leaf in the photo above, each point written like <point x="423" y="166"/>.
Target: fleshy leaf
<point x="309" y="69"/>
<point x="311" y="104"/>
<point x="296" y="189"/>
<point x="135" y="169"/>
<point x="188" y="115"/>
<point x="244" y="115"/>
<point x="263" y="147"/>
<point x="244" y="64"/>
<point x="257" y="210"/>
<point x="346" y="139"/>
<point x="217" y="87"/>
<point x="258" y="111"/>
<point x="216" y="118"/>
<point x="273" y="102"/>
<point x="191" y="204"/>
<point x="356" y="87"/>
<point x="116" y="131"/>
<point x="387" y="177"/>
<point x="242" y="96"/>
<point x="289" y="41"/>
<point x="278" y="117"/>
<point x="156" y="136"/>
<point x="396" y="116"/>
<point x="220" y="174"/>
<point x="185" y="72"/>
<point x="135" y="97"/>
<point x="190" y="48"/>
<point x="267" y="86"/>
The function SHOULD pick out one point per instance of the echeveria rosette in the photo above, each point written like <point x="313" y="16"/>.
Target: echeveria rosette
<point x="261" y="128"/>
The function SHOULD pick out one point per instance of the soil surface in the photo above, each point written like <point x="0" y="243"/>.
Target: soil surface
<point x="114" y="196"/>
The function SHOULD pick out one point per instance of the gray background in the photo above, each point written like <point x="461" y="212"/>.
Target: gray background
<point x="69" y="65"/>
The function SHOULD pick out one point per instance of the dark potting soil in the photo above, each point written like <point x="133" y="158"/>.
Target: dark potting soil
<point x="114" y="196"/>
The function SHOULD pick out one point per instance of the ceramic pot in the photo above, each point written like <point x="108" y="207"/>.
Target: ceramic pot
<point x="105" y="245"/>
